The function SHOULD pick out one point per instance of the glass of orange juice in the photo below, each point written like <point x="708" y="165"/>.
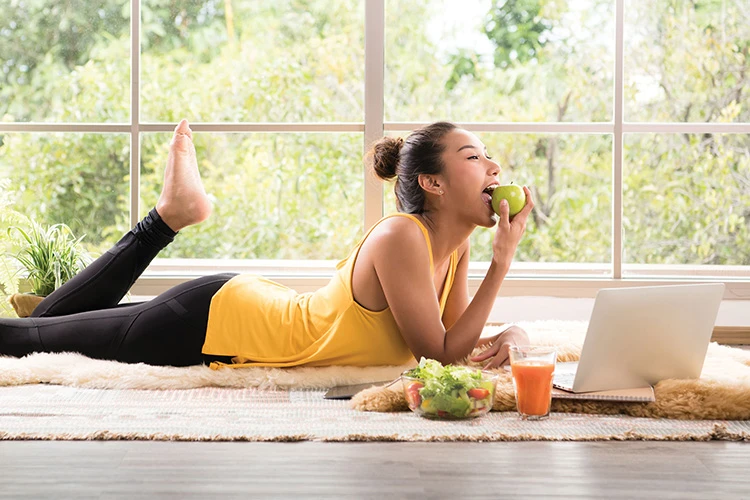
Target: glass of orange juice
<point x="533" y="368"/>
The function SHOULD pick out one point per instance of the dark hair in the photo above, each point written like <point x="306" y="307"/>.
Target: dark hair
<point x="406" y="159"/>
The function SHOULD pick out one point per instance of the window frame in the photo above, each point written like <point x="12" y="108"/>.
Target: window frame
<point x="559" y="280"/>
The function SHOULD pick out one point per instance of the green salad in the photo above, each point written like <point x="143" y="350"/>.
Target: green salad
<point x="448" y="391"/>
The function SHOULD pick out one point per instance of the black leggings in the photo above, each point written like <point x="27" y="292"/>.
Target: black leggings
<point x="84" y="315"/>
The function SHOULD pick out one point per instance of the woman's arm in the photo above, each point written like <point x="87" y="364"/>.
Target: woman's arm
<point x="410" y="293"/>
<point x="401" y="262"/>
<point x="497" y="347"/>
<point x="462" y="336"/>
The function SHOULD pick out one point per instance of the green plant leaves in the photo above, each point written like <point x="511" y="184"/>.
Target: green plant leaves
<point x="50" y="256"/>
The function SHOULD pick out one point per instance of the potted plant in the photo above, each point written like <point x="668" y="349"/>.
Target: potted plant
<point x="8" y="265"/>
<point x="50" y="257"/>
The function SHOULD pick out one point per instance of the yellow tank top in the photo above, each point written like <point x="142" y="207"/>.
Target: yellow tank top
<point x="262" y="323"/>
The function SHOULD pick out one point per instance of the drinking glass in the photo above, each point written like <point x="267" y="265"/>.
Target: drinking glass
<point x="533" y="368"/>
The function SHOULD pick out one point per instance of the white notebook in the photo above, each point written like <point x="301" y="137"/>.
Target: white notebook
<point x="640" y="394"/>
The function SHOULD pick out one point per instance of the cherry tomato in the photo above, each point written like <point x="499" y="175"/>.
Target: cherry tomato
<point x="478" y="393"/>
<point x="413" y="393"/>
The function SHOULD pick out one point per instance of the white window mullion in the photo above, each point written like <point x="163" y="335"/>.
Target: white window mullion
<point x="516" y="127"/>
<point x="104" y="128"/>
<point x="374" y="108"/>
<point x="617" y="153"/>
<point x="135" y="115"/>
<point x="686" y="128"/>
<point x="268" y="127"/>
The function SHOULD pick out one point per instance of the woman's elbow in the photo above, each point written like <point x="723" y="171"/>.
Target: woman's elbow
<point x="443" y="357"/>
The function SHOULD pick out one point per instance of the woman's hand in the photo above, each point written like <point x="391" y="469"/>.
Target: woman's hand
<point x="500" y="347"/>
<point x="509" y="231"/>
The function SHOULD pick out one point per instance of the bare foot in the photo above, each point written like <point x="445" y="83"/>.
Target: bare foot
<point x="183" y="199"/>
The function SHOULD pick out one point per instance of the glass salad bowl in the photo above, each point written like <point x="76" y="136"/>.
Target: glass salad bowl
<point x="448" y="392"/>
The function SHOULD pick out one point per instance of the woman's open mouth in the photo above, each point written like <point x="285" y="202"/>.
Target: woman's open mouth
<point x="487" y="194"/>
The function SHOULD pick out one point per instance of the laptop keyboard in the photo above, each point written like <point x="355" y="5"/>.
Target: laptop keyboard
<point x="564" y="378"/>
<point x="565" y="374"/>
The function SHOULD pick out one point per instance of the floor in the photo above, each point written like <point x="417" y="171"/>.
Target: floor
<point x="643" y="470"/>
<point x="134" y="469"/>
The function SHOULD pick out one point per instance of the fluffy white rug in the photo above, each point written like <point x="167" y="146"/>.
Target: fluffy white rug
<point x="80" y="371"/>
<point x="71" y="369"/>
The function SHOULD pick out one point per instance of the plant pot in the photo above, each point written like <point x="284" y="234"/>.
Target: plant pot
<point x="25" y="303"/>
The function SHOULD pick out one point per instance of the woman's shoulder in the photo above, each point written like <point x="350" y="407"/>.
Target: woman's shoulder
<point x="394" y="237"/>
<point x="402" y="231"/>
<point x="399" y="227"/>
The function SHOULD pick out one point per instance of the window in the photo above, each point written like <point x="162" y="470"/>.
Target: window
<point x="53" y="177"/>
<point x="65" y="62"/>
<point x="502" y="61"/>
<point x="572" y="221"/>
<point x="686" y="201"/>
<point x="630" y="120"/>
<point x="686" y="61"/>
<point x="291" y="196"/>
<point x="252" y="61"/>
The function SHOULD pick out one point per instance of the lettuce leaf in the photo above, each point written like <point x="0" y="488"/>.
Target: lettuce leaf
<point x="446" y="386"/>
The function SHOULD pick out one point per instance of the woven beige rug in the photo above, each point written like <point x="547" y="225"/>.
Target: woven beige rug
<point x="722" y="392"/>
<point x="218" y="414"/>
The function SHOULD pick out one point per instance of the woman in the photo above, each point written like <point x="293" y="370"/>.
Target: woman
<point x="401" y="294"/>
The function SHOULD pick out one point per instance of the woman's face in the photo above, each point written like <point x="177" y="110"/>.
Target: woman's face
<point x="469" y="171"/>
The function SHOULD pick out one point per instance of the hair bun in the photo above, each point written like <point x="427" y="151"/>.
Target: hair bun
<point x="384" y="156"/>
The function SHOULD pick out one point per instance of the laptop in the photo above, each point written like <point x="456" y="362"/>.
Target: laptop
<point x="638" y="336"/>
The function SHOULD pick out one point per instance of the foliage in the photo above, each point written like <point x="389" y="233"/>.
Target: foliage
<point x="703" y="76"/>
<point x="275" y="196"/>
<point x="42" y="40"/>
<point x="519" y="31"/>
<point x="8" y="264"/>
<point x="50" y="256"/>
<point x="300" y="195"/>
<point x="81" y="179"/>
<point x="702" y="206"/>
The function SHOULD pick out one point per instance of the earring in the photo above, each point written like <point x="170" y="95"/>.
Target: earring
<point x="441" y="191"/>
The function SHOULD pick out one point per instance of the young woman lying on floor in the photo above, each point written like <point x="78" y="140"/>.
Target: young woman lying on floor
<point x="402" y="292"/>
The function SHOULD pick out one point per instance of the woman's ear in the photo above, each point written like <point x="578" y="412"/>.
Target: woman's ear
<point x="430" y="184"/>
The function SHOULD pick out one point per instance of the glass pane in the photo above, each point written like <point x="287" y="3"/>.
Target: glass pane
<point x="81" y="180"/>
<point x="687" y="61"/>
<point x="481" y="60"/>
<point x="253" y="60"/>
<point x="570" y="177"/>
<point x="276" y="196"/>
<point x="686" y="199"/>
<point x="65" y="61"/>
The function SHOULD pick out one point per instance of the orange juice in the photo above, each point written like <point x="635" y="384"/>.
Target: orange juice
<point x="533" y="381"/>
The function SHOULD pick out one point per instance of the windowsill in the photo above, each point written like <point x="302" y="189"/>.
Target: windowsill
<point x="524" y="279"/>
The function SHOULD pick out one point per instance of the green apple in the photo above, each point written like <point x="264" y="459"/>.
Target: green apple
<point x="513" y="193"/>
